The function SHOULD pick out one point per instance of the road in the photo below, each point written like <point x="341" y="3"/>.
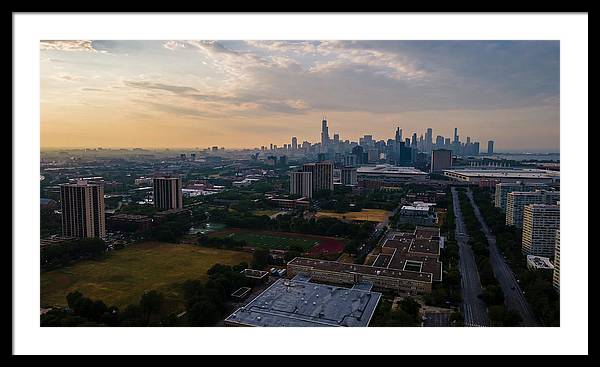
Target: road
<point x="474" y="309"/>
<point x="513" y="296"/>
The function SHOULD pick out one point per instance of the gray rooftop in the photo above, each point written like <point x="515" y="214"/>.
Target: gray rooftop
<point x="299" y="303"/>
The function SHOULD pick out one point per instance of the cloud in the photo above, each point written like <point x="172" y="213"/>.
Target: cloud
<point x="67" y="45"/>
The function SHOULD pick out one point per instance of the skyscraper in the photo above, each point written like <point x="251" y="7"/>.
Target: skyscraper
<point x="428" y="140"/>
<point x="490" y="149"/>
<point x="294" y="143"/>
<point x="82" y="205"/>
<point x="167" y="193"/>
<point x="455" y="141"/>
<point x="540" y="222"/>
<point x="413" y="143"/>
<point x="301" y="184"/>
<point x="398" y="135"/>
<point x="324" y="133"/>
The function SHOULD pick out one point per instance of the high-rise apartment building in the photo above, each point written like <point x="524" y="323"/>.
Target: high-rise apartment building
<point x="301" y="183"/>
<point x="441" y="159"/>
<point x="556" y="274"/>
<point x="502" y="190"/>
<point x="322" y="175"/>
<point x="540" y="222"/>
<point x="82" y="205"/>
<point x="490" y="149"/>
<point x="517" y="201"/>
<point x="349" y="176"/>
<point x="167" y="193"/>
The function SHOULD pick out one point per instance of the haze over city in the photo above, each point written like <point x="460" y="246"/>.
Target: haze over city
<point x="242" y="94"/>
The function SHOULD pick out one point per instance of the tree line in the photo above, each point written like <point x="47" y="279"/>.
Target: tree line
<point x="492" y="295"/>
<point x="537" y="284"/>
<point x="206" y="303"/>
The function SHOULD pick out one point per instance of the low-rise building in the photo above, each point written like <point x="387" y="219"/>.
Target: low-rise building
<point x="539" y="263"/>
<point x="408" y="262"/>
<point x="418" y="213"/>
<point x="526" y="175"/>
<point x="300" y="303"/>
<point x="129" y="222"/>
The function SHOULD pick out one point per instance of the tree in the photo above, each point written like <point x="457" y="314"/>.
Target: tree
<point x="260" y="259"/>
<point x="150" y="303"/>
<point x="203" y="313"/>
<point x="512" y="318"/>
<point x="411" y="307"/>
<point x="72" y="298"/>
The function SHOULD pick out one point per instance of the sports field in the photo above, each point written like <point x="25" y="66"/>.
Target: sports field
<point x="282" y="240"/>
<point x="123" y="276"/>
<point x="369" y="215"/>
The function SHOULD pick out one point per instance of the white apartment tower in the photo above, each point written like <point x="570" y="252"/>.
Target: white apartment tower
<point x="540" y="222"/>
<point x="301" y="183"/>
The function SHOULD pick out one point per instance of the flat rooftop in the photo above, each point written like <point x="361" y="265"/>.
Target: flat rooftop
<point x="539" y="262"/>
<point x="506" y="173"/>
<point x="388" y="169"/>
<point x="298" y="303"/>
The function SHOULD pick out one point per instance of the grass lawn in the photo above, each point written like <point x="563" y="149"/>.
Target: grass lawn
<point x="123" y="276"/>
<point x="269" y="240"/>
<point x="371" y="215"/>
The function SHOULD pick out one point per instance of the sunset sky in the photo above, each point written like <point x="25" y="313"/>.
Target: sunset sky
<point x="236" y="94"/>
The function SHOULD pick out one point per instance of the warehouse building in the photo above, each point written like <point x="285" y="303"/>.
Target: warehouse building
<point x="300" y="303"/>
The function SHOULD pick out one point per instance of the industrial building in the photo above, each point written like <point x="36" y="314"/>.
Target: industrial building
<point x="387" y="175"/>
<point x="300" y="303"/>
<point x="473" y="176"/>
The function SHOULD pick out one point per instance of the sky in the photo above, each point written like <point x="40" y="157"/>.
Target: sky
<point x="243" y="94"/>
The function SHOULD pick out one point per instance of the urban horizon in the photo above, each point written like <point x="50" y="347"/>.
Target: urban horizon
<point x="245" y="94"/>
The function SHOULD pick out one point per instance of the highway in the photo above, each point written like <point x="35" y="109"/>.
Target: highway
<point x="474" y="309"/>
<point x="513" y="296"/>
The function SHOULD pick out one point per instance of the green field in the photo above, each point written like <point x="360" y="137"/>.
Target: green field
<point x="270" y="240"/>
<point x="123" y="276"/>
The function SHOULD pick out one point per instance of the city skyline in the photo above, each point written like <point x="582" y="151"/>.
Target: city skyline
<point x="245" y="94"/>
